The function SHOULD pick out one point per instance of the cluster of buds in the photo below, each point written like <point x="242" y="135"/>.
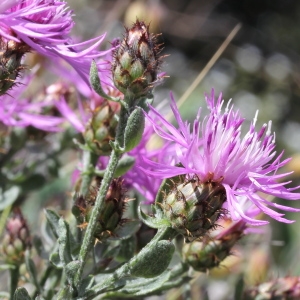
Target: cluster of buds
<point x="101" y="129"/>
<point x="111" y="217"/>
<point x="16" y="239"/>
<point x="192" y="208"/>
<point x="136" y="61"/>
<point x="211" y="251"/>
<point x="11" y="54"/>
<point x="281" y="289"/>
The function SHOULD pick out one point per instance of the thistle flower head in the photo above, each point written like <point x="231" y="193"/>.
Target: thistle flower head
<point x="44" y="26"/>
<point x="16" y="239"/>
<point x="136" y="61"/>
<point x="216" y="152"/>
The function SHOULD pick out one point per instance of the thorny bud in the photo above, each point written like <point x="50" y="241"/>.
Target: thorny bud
<point x="211" y="251"/>
<point x="287" y="288"/>
<point x="101" y="129"/>
<point x="111" y="217"/>
<point x="16" y="239"/>
<point x="192" y="207"/>
<point x="136" y="61"/>
<point x="11" y="54"/>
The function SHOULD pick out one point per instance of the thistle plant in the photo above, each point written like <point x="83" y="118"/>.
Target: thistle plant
<point x="139" y="219"/>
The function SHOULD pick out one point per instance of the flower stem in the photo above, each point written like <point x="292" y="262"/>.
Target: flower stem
<point x="14" y="279"/>
<point x="89" y="162"/>
<point x="89" y="239"/>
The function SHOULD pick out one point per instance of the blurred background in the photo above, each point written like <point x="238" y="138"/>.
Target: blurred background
<point x="259" y="70"/>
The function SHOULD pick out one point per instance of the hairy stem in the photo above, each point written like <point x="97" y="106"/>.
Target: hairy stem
<point x="89" y="239"/>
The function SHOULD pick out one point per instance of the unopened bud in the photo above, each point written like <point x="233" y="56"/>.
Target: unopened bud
<point x="211" y="251"/>
<point x="16" y="239"/>
<point x="101" y="129"/>
<point x="136" y="62"/>
<point x="111" y="217"/>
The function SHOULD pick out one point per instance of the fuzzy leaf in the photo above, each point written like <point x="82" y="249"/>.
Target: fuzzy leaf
<point x="21" y="294"/>
<point x="53" y="219"/>
<point x="124" y="165"/>
<point x="9" y="197"/>
<point x="71" y="270"/>
<point x="151" y="286"/>
<point x="134" y="129"/>
<point x="64" y="248"/>
<point x="55" y="260"/>
<point x="96" y="83"/>
<point x="152" y="262"/>
<point x="153" y="222"/>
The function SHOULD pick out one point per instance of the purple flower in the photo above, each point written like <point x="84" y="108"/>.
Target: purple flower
<point x="45" y="25"/>
<point x="15" y="110"/>
<point x="215" y="151"/>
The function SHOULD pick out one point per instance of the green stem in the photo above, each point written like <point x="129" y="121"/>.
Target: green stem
<point x="89" y="162"/>
<point x="88" y="239"/>
<point x="14" y="279"/>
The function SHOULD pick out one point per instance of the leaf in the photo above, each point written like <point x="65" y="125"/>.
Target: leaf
<point x="30" y="266"/>
<point x="53" y="219"/>
<point x="64" y="248"/>
<point x="96" y="83"/>
<point x="71" y="270"/>
<point x="55" y="259"/>
<point x="124" y="165"/>
<point x="134" y="129"/>
<point x="152" y="261"/>
<point x="153" y="222"/>
<point x="21" y="294"/>
<point x="9" y="197"/>
<point x="149" y="286"/>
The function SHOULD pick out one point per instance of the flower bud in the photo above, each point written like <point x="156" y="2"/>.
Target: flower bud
<point x="111" y="217"/>
<point x="136" y="62"/>
<point x="210" y="252"/>
<point x="16" y="239"/>
<point x="101" y="129"/>
<point x="11" y="54"/>
<point x="281" y="289"/>
<point x="192" y="207"/>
